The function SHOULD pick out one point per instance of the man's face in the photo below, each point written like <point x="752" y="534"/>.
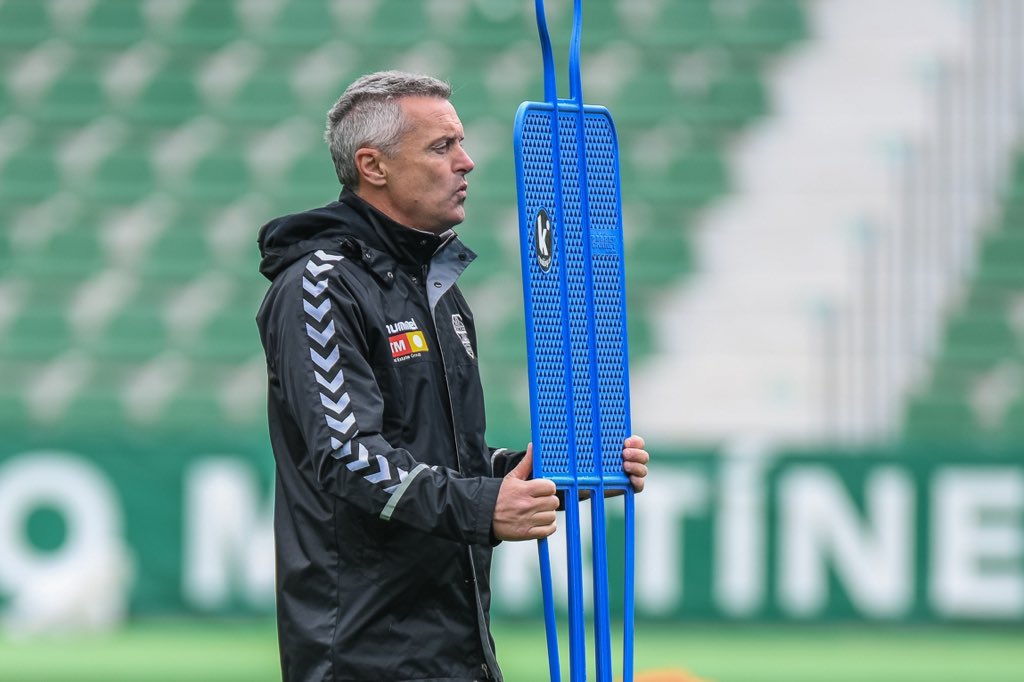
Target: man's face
<point x="426" y="178"/>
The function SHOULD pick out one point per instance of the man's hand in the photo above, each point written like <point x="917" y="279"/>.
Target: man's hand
<point x="526" y="508"/>
<point x="634" y="461"/>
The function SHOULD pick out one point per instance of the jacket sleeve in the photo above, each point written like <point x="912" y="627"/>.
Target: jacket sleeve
<point x="504" y="460"/>
<point x="333" y="396"/>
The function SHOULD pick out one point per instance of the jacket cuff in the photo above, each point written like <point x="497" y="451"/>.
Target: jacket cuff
<point x="486" y="502"/>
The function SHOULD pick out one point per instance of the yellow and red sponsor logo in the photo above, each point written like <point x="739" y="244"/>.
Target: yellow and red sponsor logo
<point x="407" y="343"/>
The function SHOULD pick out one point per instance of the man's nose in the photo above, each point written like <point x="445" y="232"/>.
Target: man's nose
<point x="464" y="164"/>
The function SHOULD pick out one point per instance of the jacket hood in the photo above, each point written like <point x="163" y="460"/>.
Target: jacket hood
<point x="284" y="240"/>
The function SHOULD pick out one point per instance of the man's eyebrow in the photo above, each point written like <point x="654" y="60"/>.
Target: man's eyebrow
<point x="448" y="138"/>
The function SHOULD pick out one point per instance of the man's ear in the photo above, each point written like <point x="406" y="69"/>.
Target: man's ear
<point x="370" y="164"/>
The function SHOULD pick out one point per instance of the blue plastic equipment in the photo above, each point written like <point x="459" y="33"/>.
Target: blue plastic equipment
<point x="570" y="216"/>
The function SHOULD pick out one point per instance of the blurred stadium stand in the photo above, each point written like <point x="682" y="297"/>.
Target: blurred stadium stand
<point x="824" y="278"/>
<point x="789" y="269"/>
<point x="143" y="143"/>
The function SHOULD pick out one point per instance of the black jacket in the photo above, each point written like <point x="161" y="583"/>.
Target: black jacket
<point x="385" y="487"/>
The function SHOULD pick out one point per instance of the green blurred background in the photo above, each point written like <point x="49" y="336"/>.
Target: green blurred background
<point x="825" y="263"/>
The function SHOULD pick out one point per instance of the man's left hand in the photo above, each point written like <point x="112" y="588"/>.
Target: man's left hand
<point x="634" y="461"/>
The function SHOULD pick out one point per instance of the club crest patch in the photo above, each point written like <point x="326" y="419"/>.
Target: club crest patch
<point x="406" y="339"/>
<point x="460" y="330"/>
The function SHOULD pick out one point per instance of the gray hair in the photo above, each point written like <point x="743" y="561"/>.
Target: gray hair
<point x="368" y="115"/>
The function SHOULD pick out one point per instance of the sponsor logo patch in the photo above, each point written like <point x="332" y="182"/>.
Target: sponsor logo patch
<point x="407" y="344"/>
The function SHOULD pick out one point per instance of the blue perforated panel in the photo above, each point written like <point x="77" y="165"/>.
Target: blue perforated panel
<point x="575" y="313"/>
<point x="576" y="295"/>
<point x="608" y="285"/>
<point x="544" y="301"/>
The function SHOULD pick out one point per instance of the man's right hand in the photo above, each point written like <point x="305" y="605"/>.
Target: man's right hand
<point x="525" y="508"/>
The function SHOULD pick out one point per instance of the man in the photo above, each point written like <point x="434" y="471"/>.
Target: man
<point x="388" y="500"/>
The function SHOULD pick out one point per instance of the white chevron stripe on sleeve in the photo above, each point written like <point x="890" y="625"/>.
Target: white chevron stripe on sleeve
<point x="323" y="255"/>
<point x="363" y="461"/>
<point x="314" y="288"/>
<point x="335" y="406"/>
<point x="357" y="465"/>
<point x="321" y="337"/>
<point x="334" y="384"/>
<point x="325" y="363"/>
<point x="385" y="471"/>
<point x="318" y="312"/>
<point x="317" y="269"/>
<point x="342" y="427"/>
<point x="341" y="450"/>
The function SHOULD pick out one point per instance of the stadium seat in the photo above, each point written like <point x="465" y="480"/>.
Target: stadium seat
<point x="762" y="25"/>
<point x="24" y="23"/>
<point x="265" y="98"/>
<point x="945" y="419"/>
<point x="126" y="176"/>
<point x="681" y="25"/>
<point x="111" y="23"/>
<point x="75" y="97"/>
<point x="170" y="96"/>
<point x="39" y="332"/>
<point x="209" y="23"/>
<point x="396" y="24"/>
<point x="296" y="25"/>
<point x="29" y="174"/>
<point x="221" y="175"/>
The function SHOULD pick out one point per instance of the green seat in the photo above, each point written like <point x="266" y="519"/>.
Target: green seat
<point x="650" y="97"/>
<point x="125" y="176"/>
<point x="298" y="25"/>
<point x="138" y="332"/>
<point x="682" y="24"/>
<point x="112" y="23"/>
<point x="659" y="252"/>
<point x="170" y="97"/>
<point x="222" y="175"/>
<point x="72" y="255"/>
<point x="394" y="24"/>
<point x="502" y="23"/>
<point x="695" y="177"/>
<point x="24" y="23"/>
<point x="1013" y="211"/>
<point x="7" y="104"/>
<point x="310" y="181"/>
<point x="209" y="23"/>
<point x="230" y="337"/>
<point x="506" y="390"/>
<point x="196" y="405"/>
<point x="1002" y="258"/>
<point x="976" y="338"/>
<point x="765" y="25"/>
<point x="75" y="97"/>
<point x="101" y="401"/>
<point x="940" y="418"/>
<point x="266" y="98"/>
<point x="30" y="174"/>
<point x="179" y="255"/>
<point x="1013" y="424"/>
<point x="739" y="98"/>
<point x="38" y="333"/>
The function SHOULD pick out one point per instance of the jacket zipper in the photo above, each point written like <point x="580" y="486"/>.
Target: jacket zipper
<point x="485" y="644"/>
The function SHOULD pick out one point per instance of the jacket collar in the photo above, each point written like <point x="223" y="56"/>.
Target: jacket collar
<point x="407" y="246"/>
